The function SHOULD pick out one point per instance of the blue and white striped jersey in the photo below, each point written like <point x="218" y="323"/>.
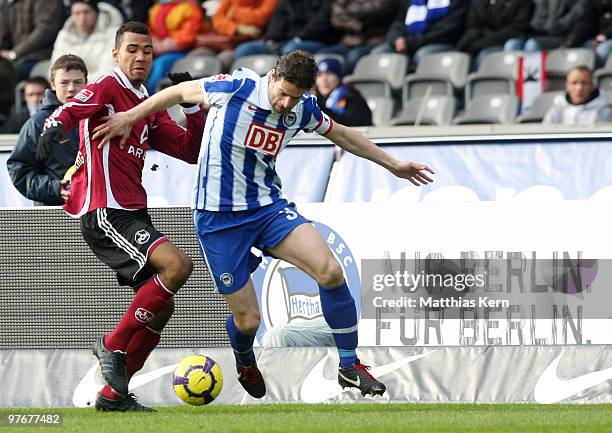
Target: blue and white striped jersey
<point x="241" y="140"/>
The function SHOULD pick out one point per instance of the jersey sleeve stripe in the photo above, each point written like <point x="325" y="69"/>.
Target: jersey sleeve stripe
<point x="331" y="126"/>
<point x="221" y="86"/>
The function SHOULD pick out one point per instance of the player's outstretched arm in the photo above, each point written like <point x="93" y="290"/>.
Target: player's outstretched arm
<point x="120" y="124"/>
<point x="355" y="143"/>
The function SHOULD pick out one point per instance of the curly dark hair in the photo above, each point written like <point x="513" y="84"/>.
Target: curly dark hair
<point x="297" y="67"/>
<point x="130" y="27"/>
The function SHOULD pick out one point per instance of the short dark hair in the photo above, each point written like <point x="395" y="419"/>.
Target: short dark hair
<point x="580" y="68"/>
<point x="130" y="27"/>
<point x="40" y="81"/>
<point x="297" y="67"/>
<point x="68" y="62"/>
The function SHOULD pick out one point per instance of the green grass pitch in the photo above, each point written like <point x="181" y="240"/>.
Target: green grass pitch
<point x="337" y="418"/>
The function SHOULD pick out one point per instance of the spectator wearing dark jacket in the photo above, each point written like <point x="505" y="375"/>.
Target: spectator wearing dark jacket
<point x="294" y="25"/>
<point x="553" y="25"/>
<point x="35" y="171"/>
<point x="342" y="103"/>
<point x="33" y="92"/>
<point x="8" y="80"/>
<point x="134" y="10"/>
<point x="423" y="27"/>
<point x="597" y="26"/>
<point x="131" y="10"/>
<point x="28" y="29"/>
<point x="362" y="25"/>
<point x="490" y="23"/>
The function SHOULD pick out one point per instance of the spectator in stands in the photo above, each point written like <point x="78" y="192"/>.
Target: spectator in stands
<point x="27" y="31"/>
<point x="89" y="33"/>
<point x="234" y="22"/>
<point x="131" y="10"/>
<point x="342" y="103"/>
<point x="8" y="80"/>
<point x="174" y="25"/>
<point x="33" y="92"/>
<point x="597" y="26"/>
<point x="135" y="10"/>
<point x="423" y="27"/>
<point x="583" y="105"/>
<point x="362" y="25"/>
<point x="490" y="23"/>
<point x="36" y="171"/>
<point x="554" y="24"/>
<point x="295" y="25"/>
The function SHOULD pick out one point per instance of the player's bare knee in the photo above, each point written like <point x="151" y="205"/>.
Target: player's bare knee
<point x="248" y="321"/>
<point x="331" y="275"/>
<point x="185" y="266"/>
<point x="176" y="271"/>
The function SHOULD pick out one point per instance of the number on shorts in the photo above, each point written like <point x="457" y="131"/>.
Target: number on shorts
<point x="291" y="215"/>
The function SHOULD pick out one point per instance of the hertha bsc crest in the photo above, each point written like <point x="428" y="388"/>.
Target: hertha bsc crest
<point x="286" y="294"/>
<point x="289" y="119"/>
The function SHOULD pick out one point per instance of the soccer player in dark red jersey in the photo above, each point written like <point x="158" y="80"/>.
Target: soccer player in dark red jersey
<point x="108" y="197"/>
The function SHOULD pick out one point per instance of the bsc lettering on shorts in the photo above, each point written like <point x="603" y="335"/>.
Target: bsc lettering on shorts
<point x="264" y="139"/>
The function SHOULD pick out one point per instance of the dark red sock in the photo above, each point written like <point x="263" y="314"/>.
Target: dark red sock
<point x="150" y="299"/>
<point x="108" y="392"/>
<point x="141" y="345"/>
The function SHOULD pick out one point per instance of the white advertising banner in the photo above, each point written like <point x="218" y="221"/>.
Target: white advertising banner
<point x="401" y="231"/>
<point x="464" y="172"/>
<point x="9" y="196"/>
<point x="471" y="172"/>
<point x="577" y="374"/>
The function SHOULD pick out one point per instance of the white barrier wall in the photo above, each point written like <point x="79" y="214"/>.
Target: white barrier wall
<point x="574" y="170"/>
<point x="534" y="162"/>
<point x="455" y="361"/>
<point x="533" y="198"/>
<point x="384" y="231"/>
<point x="65" y="378"/>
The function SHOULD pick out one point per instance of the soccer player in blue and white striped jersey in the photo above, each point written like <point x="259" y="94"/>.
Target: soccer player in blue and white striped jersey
<point x="237" y="201"/>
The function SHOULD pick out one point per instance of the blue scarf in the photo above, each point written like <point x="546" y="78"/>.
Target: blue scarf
<point x="422" y="12"/>
<point x="336" y="101"/>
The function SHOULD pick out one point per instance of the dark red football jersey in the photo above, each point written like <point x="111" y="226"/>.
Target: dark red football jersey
<point x="112" y="177"/>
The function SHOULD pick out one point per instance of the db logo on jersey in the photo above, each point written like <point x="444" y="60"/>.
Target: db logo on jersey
<point x="264" y="139"/>
<point x="84" y="95"/>
<point x="143" y="315"/>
